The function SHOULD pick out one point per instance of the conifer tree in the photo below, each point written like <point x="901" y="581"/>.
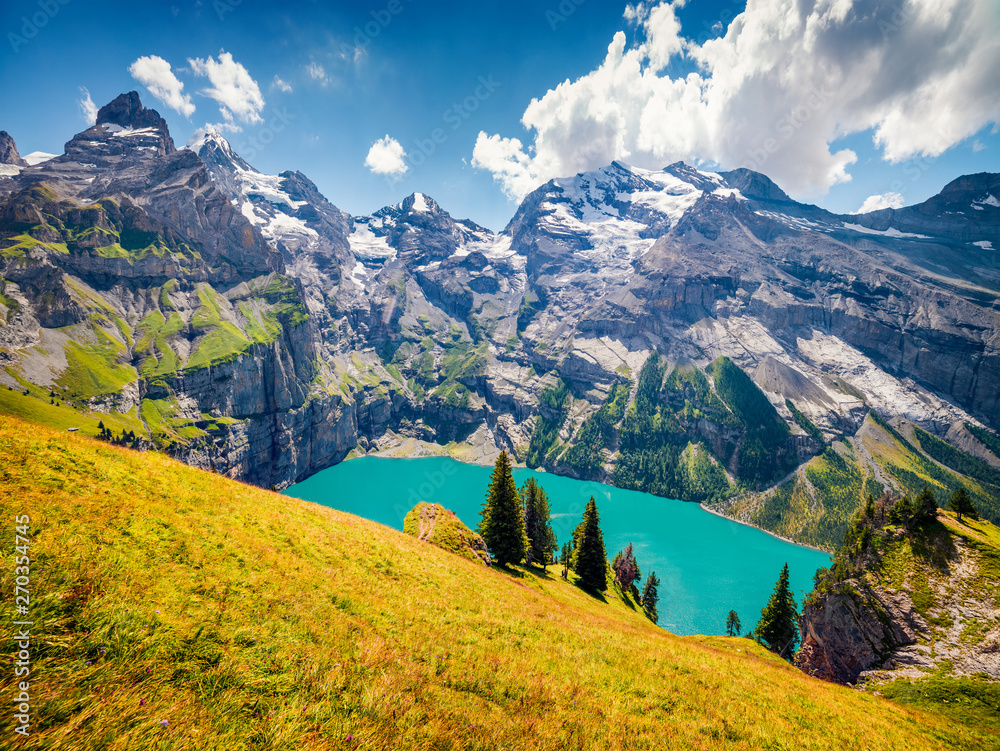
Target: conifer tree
<point x="651" y="596"/>
<point x="625" y="568"/>
<point x="960" y="503"/>
<point x="541" y="538"/>
<point x="566" y="555"/>
<point x="589" y="560"/>
<point x="733" y="624"/>
<point x="778" y="629"/>
<point x="926" y="505"/>
<point x="502" y="525"/>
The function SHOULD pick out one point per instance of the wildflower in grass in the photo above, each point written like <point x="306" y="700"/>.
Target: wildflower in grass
<point x="164" y="723"/>
<point x="142" y="702"/>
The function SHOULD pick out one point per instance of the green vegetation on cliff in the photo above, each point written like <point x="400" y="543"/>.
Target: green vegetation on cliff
<point x="586" y="456"/>
<point x="656" y="454"/>
<point x="545" y="436"/>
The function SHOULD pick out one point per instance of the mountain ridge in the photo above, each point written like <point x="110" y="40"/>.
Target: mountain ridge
<point x="295" y="334"/>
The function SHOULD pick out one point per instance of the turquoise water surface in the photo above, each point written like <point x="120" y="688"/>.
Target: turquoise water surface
<point x="707" y="565"/>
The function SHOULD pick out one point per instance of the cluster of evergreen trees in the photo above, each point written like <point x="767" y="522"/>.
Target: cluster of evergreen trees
<point x="516" y="527"/>
<point x="126" y="438"/>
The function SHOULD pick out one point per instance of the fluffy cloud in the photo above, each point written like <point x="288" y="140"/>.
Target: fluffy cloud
<point x="280" y="85"/>
<point x="87" y="106"/>
<point x="232" y="87"/>
<point x="883" y="201"/>
<point x="788" y="79"/>
<point x="155" y="74"/>
<point x="386" y="157"/>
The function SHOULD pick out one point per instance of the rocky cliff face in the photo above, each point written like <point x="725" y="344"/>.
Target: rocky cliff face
<point x="8" y="151"/>
<point x="854" y="629"/>
<point x="903" y="599"/>
<point x="255" y="327"/>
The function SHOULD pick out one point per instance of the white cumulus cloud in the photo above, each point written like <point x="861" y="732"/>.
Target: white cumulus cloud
<point x="787" y="80"/>
<point x="386" y="157"/>
<point x="155" y="74"/>
<point x="281" y="85"/>
<point x="232" y="87"/>
<point x="87" y="106"/>
<point x="882" y="201"/>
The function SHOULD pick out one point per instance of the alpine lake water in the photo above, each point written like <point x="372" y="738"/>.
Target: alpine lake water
<point x="706" y="564"/>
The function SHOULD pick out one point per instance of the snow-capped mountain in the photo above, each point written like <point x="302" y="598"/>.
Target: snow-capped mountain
<point x="314" y="332"/>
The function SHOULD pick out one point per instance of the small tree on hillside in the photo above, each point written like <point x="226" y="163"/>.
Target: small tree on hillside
<point x="960" y="503"/>
<point x="625" y="568"/>
<point x="502" y="525"/>
<point x="651" y="596"/>
<point x="566" y="555"/>
<point x="778" y="629"/>
<point x="589" y="560"/>
<point x="902" y="511"/>
<point x="925" y="508"/>
<point x="733" y="624"/>
<point x="541" y="538"/>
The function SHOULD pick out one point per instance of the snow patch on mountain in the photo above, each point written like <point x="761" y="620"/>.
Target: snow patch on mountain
<point x="368" y="246"/>
<point x="38" y="157"/>
<point x="891" y="232"/>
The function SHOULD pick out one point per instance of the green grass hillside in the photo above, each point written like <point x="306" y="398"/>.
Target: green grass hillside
<point x="176" y="609"/>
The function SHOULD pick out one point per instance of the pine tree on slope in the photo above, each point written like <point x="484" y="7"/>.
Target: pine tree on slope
<point x="778" y="629"/>
<point x="625" y="567"/>
<point x="542" y="540"/>
<point x="960" y="503"/>
<point x="733" y="624"/>
<point x="651" y="596"/>
<point x="590" y="561"/>
<point x="502" y="525"/>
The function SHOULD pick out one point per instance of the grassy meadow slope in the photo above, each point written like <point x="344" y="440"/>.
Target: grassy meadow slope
<point x="176" y="609"/>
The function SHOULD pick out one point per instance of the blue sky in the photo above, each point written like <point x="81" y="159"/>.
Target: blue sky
<point x="438" y="77"/>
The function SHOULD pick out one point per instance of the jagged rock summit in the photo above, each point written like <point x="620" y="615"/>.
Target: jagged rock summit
<point x="8" y="151"/>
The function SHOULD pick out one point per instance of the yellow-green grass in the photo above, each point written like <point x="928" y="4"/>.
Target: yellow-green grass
<point x="248" y="620"/>
<point x="439" y="526"/>
<point x="25" y="242"/>
<point x="155" y="329"/>
<point x="92" y="366"/>
<point x="36" y="407"/>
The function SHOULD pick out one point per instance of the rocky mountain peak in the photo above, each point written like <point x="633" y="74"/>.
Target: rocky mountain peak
<point x="8" y="151"/>
<point x="754" y="185"/>
<point x="125" y="113"/>
<point x="976" y="188"/>
<point x="418" y="203"/>
<point x="209" y="144"/>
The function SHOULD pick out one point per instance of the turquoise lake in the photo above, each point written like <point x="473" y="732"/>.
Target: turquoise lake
<point x="707" y="565"/>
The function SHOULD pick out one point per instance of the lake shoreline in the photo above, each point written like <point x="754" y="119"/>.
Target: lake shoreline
<point x="708" y="565"/>
<point x="765" y="531"/>
<point x="422" y="449"/>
